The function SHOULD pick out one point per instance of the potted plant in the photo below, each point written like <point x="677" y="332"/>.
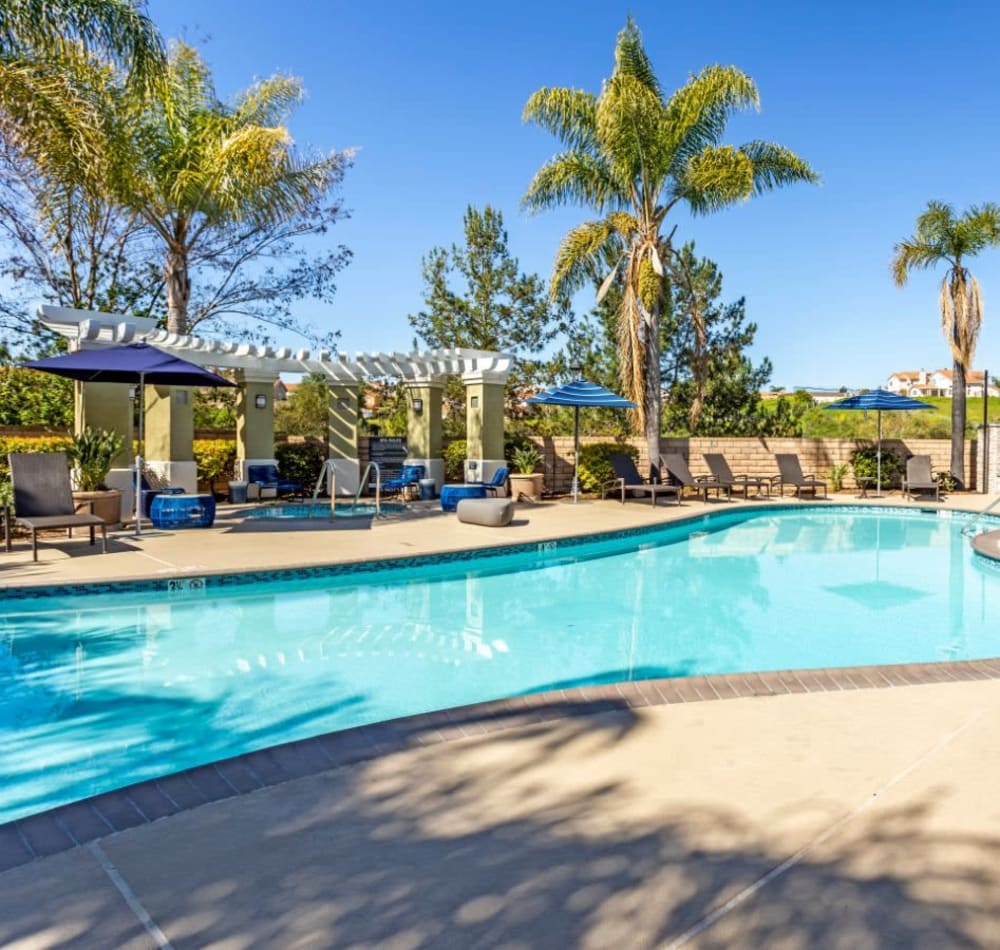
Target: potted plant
<point x="525" y="480"/>
<point x="92" y="454"/>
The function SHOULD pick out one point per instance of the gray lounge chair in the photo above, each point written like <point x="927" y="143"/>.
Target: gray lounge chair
<point x="628" y="479"/>
<point x="919" y="477"/>
<point x="722" y="473"/>
<point x="790" y="469"/>
<point x="678" y="469"/>
<point x="43" y="498"/>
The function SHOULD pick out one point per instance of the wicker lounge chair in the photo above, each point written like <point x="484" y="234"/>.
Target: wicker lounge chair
<point x="628" y="479"/>
<point x="919" y="477"/>
<point x="790" y="469"/>
<point x="43" y="498"/>
<point x="678" y="469"/>
<point x="723" y="474"/>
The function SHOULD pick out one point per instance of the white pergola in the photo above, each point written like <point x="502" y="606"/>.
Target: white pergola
<point x="84" y="328"/>
<point x="257" y="367"/>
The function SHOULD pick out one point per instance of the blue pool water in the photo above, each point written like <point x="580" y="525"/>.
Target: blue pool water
<point x="101" y="690"/>
<point x="317" y="509"/>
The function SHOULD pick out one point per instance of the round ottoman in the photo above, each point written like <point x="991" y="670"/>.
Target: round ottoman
<point x="492" y="512"/>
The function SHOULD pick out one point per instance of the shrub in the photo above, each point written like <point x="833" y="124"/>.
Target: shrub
<point x="215" y="458"/>
<point x="595" y="462"/>
<point x="454" y="461"/>
<point x="300" y="461"/>
<point x="864" y="461"/>
<point x="92" y="452"/>
<point x="946" y="480"/>
<point x="836" y="476"/>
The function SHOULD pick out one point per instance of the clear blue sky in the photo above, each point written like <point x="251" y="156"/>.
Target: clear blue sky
<point x="893" y="103"/>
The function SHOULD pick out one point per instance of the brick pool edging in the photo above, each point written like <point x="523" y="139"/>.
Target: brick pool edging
<point x="70" y="826"/>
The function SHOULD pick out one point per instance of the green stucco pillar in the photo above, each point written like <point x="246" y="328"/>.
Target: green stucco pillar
<point x="423" y="425"/>
<point x="169" y="435"/>
<point x="484" y="406"/>
<point x="105" y="406"/>
<point x="109" y="406"/>
<point x="254" y="420"/>
<point x="342" y="436"/>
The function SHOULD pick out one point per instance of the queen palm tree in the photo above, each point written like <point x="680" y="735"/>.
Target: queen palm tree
<point x="633" y="155"/>
<point x="943" y="237"/>
<point x="171" y="155"/>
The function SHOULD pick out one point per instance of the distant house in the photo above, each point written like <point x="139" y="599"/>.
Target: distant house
<point x="283" y="390"/>
<point x="938" y="382"/>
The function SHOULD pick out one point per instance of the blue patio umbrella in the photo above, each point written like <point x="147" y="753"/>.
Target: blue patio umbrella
<point x="580" y="394"/>
<point x="134" y="363"/>
<point x="880" y="400"/>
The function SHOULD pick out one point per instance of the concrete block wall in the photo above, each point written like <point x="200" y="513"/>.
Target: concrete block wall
<point x="755" y="456"/>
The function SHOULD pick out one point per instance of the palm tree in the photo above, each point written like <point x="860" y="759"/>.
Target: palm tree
<point x="38" y="29"/>
<point x="942" y="237"/>
<point x="172" y="156"/>
<point x="633" y="155"/>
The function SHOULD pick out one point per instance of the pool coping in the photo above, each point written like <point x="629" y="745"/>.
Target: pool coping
<point x="226" y="577"/>
<point x="78" y="823"/>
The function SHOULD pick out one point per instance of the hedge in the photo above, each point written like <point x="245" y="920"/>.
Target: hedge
<point x="595" y="462"/>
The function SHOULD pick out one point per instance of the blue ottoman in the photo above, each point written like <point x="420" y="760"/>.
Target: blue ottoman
<point x="451" y="495"/>
<point x="182" y="511"/>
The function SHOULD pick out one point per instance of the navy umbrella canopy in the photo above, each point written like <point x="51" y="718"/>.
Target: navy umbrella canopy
<point x="580" y="394"/>
<point x="879" y="400"/>
<point x="134" y="363"/>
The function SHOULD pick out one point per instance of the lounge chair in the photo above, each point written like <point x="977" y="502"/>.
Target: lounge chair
<point x="498" y="481"/>
<point x="678" y="469"/>
<point x="919" y="477"/>
<point x="628" y="479"/>
<point x="409" y="477"/>
<point x="790" y="469"/>
<point x="268" y="480"/>
<point x="723" y="474"/>
<point x="43" y="498"/>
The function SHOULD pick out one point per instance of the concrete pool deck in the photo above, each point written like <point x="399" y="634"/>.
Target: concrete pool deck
<point x="237" y="543"/>
<point x="861" y="819"/>
<point x="855" y="818"/>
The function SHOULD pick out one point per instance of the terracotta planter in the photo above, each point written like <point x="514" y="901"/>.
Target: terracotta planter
<point x="528" y="486"/>
<point x="107" y="504"/>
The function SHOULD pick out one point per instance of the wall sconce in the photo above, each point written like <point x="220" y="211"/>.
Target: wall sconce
<point x="181" y="397"/>
<point x="260" y="401"/>
<point x="418" y="405"/>
<point x="344" y="404"/>
<point x="474" y="402"/>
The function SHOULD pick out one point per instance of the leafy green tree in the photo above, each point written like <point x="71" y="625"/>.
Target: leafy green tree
<point x="942" y="237"/>
<point x="28" y="398"/>
<point x="633" y="155"/>
<point x="475" y="296"/>
<point x="713" y="386"/>
<point x="306" y="411"/>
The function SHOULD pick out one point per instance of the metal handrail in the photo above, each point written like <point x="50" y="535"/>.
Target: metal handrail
<point x="328" y="471"/>
<point x="378" y="487"/>
<point x="968" y="529"/>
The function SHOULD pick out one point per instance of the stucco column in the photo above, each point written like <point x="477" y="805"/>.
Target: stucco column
<point x="342" y="436"/>
<point x="254" y="420"/>
<point x="169" y="435"/>
<point x="109" y="406"/>
<point x="484" y="405"/>
<point x="423" y="425"/>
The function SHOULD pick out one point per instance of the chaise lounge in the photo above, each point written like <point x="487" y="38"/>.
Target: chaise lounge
<point x="723" y="474"/>
<point x="678" y="469"/>
<point x="628" y="479"/>
<point x="43" y="498"/>
<point x="790" y="469"/>
<point x="919" y="477"/>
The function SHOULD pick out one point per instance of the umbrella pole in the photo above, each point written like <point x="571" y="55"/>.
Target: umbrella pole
<point x="576" y="452"/>
<point x="138" y="458"/>
<point x="878" y="456"/>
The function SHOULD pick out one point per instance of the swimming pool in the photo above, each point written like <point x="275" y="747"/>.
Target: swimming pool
<point x="319" y="509"/>
<point x="102" y="690"/>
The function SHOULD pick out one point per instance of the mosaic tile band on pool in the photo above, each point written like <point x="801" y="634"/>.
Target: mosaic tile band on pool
<point x="105" y="689"/>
